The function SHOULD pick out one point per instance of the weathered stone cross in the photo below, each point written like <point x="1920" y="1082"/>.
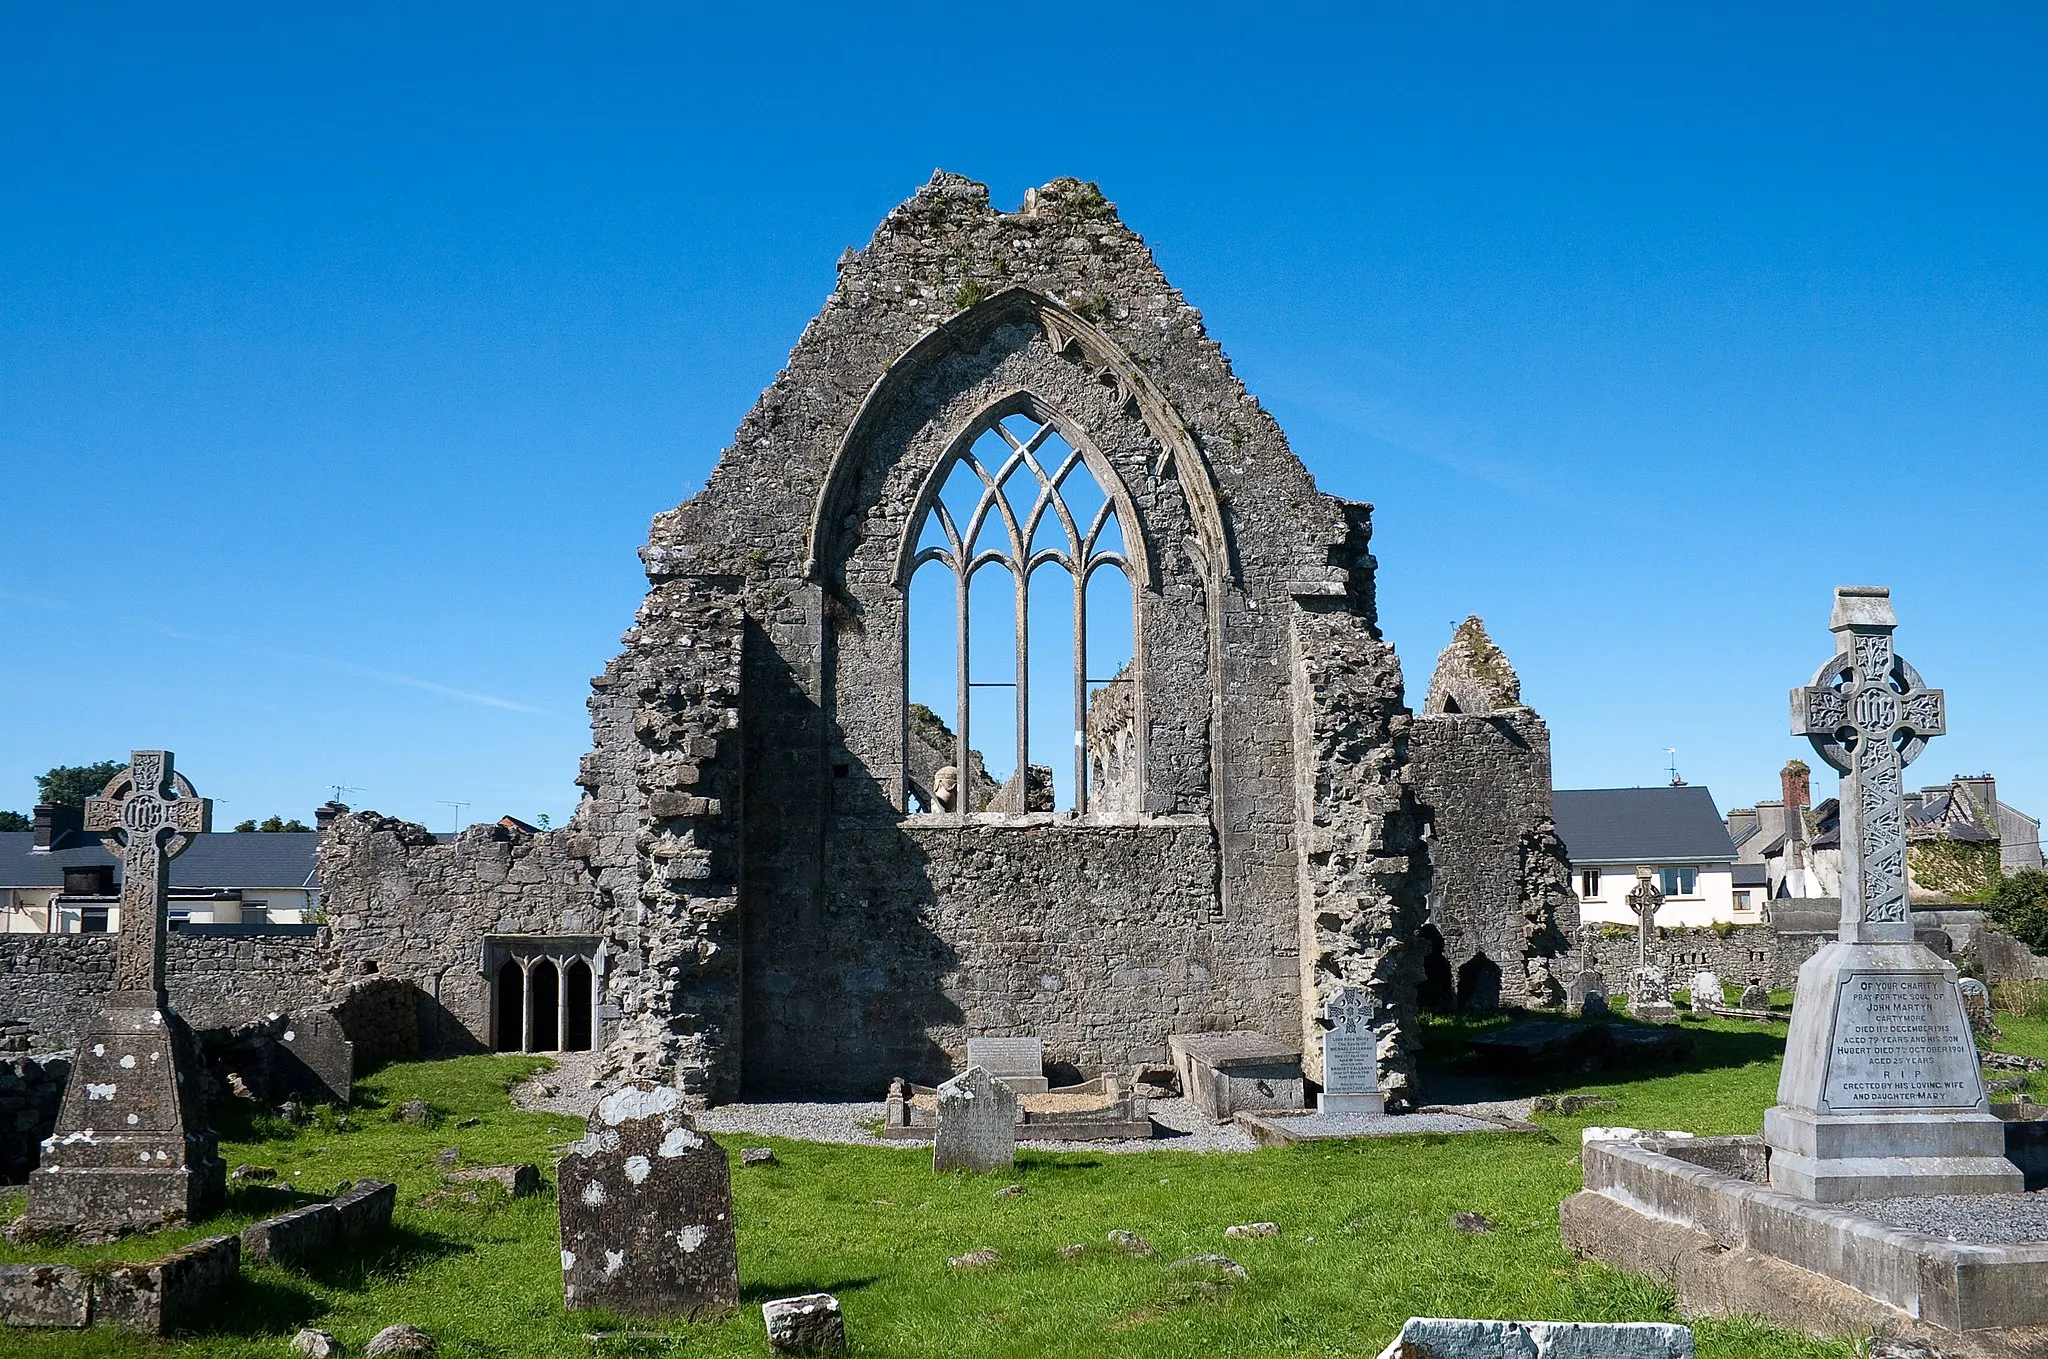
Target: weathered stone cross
<point x="1350" y="1009"/>
<point x="150" y="812"/>
<point x="1646" y="898"/>
<point x="1868" y="714"/>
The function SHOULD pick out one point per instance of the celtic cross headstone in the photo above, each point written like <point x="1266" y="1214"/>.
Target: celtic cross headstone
<point x="1649" y="989"/>
<point x="131" y="1151"/>
<point x="1881" y="1094"/>
<point x="1351" y="1054"/>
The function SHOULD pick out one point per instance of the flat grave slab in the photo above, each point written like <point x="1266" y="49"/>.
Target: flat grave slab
<point x="1222" y="1073"/>
<point x="1017" y="1062"/>
<point x="1280" y="1130"/>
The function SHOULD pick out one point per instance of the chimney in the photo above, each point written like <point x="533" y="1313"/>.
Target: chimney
<point x="1797" y="781"/>
<point x="326" y="812"/>
<point x="53" y="820"/>
<point x="1983" y="790"/>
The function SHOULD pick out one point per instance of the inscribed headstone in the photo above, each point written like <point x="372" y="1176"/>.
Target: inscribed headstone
<point x="977" y="1124"/>
<point x="1881" y="1094"/>
<point x="646" y="1211"/>
<point x="1587" y="984"/>
<point x="1017" y="1062"/>
<point x="1351" y="1065"/>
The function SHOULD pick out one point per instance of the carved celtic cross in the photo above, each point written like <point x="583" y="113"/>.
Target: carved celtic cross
<point x="1868" y="714"/>
<point x="1349" y="1009"/>
<point x="149" y="813"/>
<point x="1646" y="898"/>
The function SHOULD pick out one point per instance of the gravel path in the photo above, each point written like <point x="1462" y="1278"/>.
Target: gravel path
<point x="1975" y="1219"/>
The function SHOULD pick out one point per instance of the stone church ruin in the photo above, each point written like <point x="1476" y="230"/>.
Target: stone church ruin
<point x="1010" y="676"/>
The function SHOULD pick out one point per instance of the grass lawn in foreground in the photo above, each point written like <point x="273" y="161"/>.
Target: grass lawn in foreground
<point x="1366" y="1239"/>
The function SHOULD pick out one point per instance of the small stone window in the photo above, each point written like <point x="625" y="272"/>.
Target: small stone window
<point x="543" y="993"/>
<point x="1020" y="631"/>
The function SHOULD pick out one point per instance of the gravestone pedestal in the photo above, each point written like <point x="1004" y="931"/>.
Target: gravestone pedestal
<point x="1881" y="1093"/>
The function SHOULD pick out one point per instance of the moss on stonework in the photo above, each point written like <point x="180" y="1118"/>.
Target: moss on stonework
<point x="1960" y="870"/>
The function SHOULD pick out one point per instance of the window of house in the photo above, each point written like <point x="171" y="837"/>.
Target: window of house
<point x="1589" y="883"/>
<point x="1020" y="633"/>
<point x="1680" y="882"/>
<point x="92" y="920"/>
<point x="1742" y="901"/>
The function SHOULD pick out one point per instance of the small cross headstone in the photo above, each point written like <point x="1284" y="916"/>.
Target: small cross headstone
<point x="977" y="1124"/>
<point x="131" y="1151"/>
<point x="646" y="1211"/>
<point x="1881" y="1094"/>
<point x="1649" y="989"/>
<point x="1351" y="1054"/>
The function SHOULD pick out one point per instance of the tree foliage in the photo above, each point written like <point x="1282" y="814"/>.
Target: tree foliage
<point x="71" y="784"/>
<point x="273" y="823"/>
<point x="15" y="821"/>
<point x="2019" y="904"/>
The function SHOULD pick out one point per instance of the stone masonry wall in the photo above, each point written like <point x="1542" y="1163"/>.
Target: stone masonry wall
<point x="1743" y="952"/>
<point x="1501" y="884"/>
<point x="55" y="982"/>
<point x="402" y="904"/>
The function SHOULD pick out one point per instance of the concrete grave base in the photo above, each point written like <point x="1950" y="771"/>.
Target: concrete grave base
<point x="1225" y="1072"/>
<point x="1283" y="1130"/>
<point x="1698" y="1216"/>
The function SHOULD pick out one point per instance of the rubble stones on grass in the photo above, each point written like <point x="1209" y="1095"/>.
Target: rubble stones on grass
<point x="416" y="1111"/>
<point x="760" y="1156"/>
<point x="448" y="1156"/>
<point x="1571" y="1104"/>
<point x="519" y="1181"/>
<point x="811" y="1324"/>
<point x="1474" y="1223"/>
<point x="646" y="1211"/>
<point x="2011" y="1061"/>
<point x="246" y="1172"/>
<point x="1217" y="1264"/>
<point x="1009" y="1191"/>
<point x="984" y="1258"/>
<point x="400" y="1339"/>
<point x="1073" y="1252"/>
<point x="312" y="1344"/>
<point x="1130" y="1243"/>
<point x="1245" y="1231"/>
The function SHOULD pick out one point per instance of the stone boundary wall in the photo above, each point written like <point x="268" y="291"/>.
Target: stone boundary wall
<point x="1746" y="951"/>
<point x="30" y="1090"/>
<point x="56" y="982"/>
<point x="381" y="1016"/>
<point x="156" y="1297"/>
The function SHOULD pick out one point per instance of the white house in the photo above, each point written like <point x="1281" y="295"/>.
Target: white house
<point x="58" y="879"/>
<point x="1676" y="832"/>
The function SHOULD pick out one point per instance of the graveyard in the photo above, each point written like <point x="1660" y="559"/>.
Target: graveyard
<point x="1366" y="1237"/>
<point x="981" y="821"/>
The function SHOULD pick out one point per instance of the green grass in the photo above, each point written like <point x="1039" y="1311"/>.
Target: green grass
<point x="1366" y="1238"/>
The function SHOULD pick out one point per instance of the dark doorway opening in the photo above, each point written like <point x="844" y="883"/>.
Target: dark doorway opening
<point x="511" y="1028"/>
<point x="1479" y="986"/>
<point x="576" y="1009"/>
<point x="545" y="984"/>
<point x="1439" y="993"/>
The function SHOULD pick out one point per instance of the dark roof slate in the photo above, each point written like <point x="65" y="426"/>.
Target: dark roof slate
<point x="222" y="859"/>
<point x="1641" y="825"/>
<point x="1752" y="875"/>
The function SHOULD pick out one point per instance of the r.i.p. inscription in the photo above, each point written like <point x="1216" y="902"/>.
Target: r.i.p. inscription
<point x="1901" y="1042"/>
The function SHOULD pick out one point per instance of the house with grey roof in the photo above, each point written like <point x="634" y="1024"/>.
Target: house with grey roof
<point x="58" y="879"/>
<point x="1676" y="832"/>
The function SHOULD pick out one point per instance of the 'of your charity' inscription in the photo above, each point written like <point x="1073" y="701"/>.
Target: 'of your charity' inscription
<point x="1900" y="1040"/>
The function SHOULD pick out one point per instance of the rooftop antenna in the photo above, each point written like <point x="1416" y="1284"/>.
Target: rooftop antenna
<point x="458" y="806"/>
<point x="342" y="790"/>
<point x="1676" y="782"/>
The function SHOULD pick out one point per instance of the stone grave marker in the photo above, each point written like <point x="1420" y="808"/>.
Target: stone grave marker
<point x="1977" y="1005"/>
<point x="1756" y="996"/>
<point x="132" y="1151"/>
<point x="1351" y="1060"/>
<point x="1017" y="1062"/>
<point x="325" y="1060"/>
<point x="1707" y="994"/>
<point x="1880" y="1094"/>
<point x="977" y="1124"/>
<point x="1649" y="988"/>
<point x="646" y="1211"/>
<point x="1579" y="995"/>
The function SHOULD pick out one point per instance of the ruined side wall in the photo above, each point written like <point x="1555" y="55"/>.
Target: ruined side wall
<point x="1501" y="885"/>
<point x="55" y="982"/>
<point x="400" y="903"/>
<point x="1364" y="869"/>
<point x="1101" y="939"/>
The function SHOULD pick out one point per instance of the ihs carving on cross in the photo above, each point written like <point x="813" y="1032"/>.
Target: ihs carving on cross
<point x="1869" y="714"/>
<point x="149" y="813"/>
<point x="1350" y="1009"/>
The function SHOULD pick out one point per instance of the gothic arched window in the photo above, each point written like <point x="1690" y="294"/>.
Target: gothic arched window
<point x="1021" y="627"/>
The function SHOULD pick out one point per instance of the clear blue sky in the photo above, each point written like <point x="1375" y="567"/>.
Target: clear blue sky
<point x="345" y="355"/>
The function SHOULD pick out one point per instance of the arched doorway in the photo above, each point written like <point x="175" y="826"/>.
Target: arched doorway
<point x="1479" y="986"/>
<point x="576" y="1007"/>
<point x="509" y="1032"/>
<point x="544" y="1008"/>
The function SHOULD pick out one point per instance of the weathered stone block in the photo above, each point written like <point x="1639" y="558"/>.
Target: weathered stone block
<point x="646" y="1211"/>
<point x="977" y="1124"/>
<point x="810" y="1324"/>
<point x="44" y="1295"/>
<point x="1443" y="1338"/>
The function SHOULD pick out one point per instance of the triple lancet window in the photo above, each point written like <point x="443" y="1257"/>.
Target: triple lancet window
<point x="1020" y="633"/>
